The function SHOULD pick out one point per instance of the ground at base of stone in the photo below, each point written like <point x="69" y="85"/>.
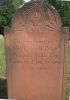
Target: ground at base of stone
<point x="3" y="88"/>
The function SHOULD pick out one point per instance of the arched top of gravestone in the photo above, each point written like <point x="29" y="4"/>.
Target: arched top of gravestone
<point x="34" y="15"/>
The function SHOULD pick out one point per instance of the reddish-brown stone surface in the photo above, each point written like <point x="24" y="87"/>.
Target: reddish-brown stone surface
<point x="35" y="54"/>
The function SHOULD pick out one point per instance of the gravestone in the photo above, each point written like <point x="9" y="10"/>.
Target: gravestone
<point x="35" y="48"/>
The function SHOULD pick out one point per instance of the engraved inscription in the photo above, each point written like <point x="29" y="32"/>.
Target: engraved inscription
<point x="40" y="53"/>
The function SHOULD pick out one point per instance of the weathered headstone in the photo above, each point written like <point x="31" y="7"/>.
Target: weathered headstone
<point x="36" y="54"/>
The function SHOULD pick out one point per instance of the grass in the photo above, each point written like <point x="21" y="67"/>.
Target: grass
<point x="3" y="87"/>
<point x="2" y="58"/>
<point x="3" y="82"/>
<point x="68" y="76"/>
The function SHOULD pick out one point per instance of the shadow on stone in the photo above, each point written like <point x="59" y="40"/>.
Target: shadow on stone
<point x="3" y="88"/>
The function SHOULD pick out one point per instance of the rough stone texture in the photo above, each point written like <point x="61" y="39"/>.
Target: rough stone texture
<point x="36" y="54"/>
